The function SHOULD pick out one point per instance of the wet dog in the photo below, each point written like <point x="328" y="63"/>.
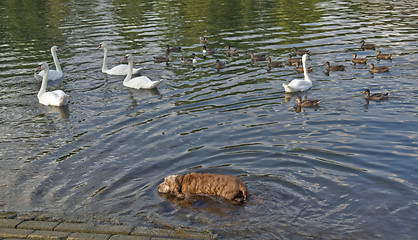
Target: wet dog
<point x="207" y="184"/>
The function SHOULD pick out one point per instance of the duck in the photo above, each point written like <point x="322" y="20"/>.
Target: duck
<point x="299" y="85"/>
<point x="380" y="69"/>
<point x="53" y="74"/>
<point x="300" y="52"/>
<point x="120" y="69"/>
<point x="367" y="46"/>
<point x="161" y="59"/>
<point x="291" y="59"/>
<point x="271" y="64"/>
<point x="219" y="64"/>
<point x="230" y="51"/>
<point x="261" y="57"/>
<point x="56" y="98"/>
<point x="383" y="56"/>
<point x="300" y="69"/>
<point x="307" y="103"/>
<point x="334" y="68"/>
<point x="375" y="96"/>
<point x="173" y="49"/>
<point x="358" y="60"/>
<point x="204" y="40"/>
<point x="141" y="82"/>
<point x="189" y="60"/>
<point x="209" y="51"/>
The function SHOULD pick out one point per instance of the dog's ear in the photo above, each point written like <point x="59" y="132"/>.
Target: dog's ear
<point x="178" y="186"/>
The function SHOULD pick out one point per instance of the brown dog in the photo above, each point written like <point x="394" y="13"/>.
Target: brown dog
<point x="224" y="186"/>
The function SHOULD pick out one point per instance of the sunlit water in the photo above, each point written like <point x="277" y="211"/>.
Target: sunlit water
<point x="345" y="170"/>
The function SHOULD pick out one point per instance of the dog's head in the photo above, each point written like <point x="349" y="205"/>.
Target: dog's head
<point x="171" y="184"/>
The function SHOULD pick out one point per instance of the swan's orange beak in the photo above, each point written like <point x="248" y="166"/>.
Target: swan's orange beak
<point x="37" y="68"/>
<point x="124" y="59"/>
<point x="100" y="46"/>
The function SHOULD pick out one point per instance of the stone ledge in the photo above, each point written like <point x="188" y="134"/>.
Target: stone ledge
<point x="14" y="233"/>
<point x="38" y="225"/>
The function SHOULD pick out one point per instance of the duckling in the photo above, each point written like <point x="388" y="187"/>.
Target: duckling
<point x="219" y="64"/>
<point x="292" y="60"/>
<point x="300" y="69"/>
<point x="209" y="51"/>
<point x="204" y="40"/>
<point x="375" y="96"/>
<point x="367" y="46"/>
<point x="161" y="59"/>
<point x="358" y="60"/>
<point x="300" y="52"/>
<point x="307" y="103"/>
<point x="386" y="56"/>
<point x="334" y="68"/>
<point x="380" y="69"/>
<point x="230" y="51"/>
<point x="173" y="49"/>
<point x="261" y="57"/>
<point x="273" y="64"/>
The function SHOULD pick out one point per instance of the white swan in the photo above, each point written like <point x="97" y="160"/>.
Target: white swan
<point x="120" y="69"/>
<point x="299" y="85"/>
<point x="54" y="98"/>
<point x="139" y="82"/>
<point x="53" y="74"/>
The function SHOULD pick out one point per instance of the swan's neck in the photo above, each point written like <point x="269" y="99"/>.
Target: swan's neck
<point x="44" y="82"/>
<point x="130" y="69"/>
<point x="104" y="67"/>
<point x="305" y="70"/>
<point x="56" y="61"/>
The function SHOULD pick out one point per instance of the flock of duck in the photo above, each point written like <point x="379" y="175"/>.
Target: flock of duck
<point x="59" y="98"/>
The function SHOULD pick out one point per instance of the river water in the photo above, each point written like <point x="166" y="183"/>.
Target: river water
<point x="344" y="170"/>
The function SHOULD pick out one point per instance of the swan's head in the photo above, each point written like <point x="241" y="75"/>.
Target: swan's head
<point x="101" y="45"/>
<point x="42" y="66"/>
<point x="54" y="48"/>
<point x="127" y="57"/>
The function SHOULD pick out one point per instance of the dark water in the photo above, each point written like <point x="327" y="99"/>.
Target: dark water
<point x="345" y="170"/>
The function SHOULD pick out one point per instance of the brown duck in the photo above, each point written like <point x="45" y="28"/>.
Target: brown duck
<point x="300" y="52"/>
<point x="358" y="60"/>
<point x="334" y="68"/>
<point x="300" y="69"/>
<point x="261" y="57"/>
<point x="380" y="69"/>
<point x="367" y="46"/>
<point x="219" y="64"/>
<point x="292" y="60"/>
<point x="375" y="96"/>
<point x="271" y="64"/>
<point x="173" y="49"/>
<point x="230" y="51"/>
<point x="383" y="56"/>
<point x="204" y="40"/>
<point x="307" y="103"/>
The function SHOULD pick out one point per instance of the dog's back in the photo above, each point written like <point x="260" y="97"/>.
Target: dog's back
<point x="225" y="186"/>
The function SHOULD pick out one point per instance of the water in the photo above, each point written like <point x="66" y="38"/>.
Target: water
<point x="345" y="170"/>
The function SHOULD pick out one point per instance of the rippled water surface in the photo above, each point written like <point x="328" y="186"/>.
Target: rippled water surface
<point x="345" y="170"/>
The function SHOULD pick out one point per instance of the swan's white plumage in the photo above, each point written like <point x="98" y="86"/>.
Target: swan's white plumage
<point x="54" y="98"/>
<point x="53" y="75"/>
<point x="121" y="69"/>
<point x="299" y="85"/>
<point x="141" y="82"/>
